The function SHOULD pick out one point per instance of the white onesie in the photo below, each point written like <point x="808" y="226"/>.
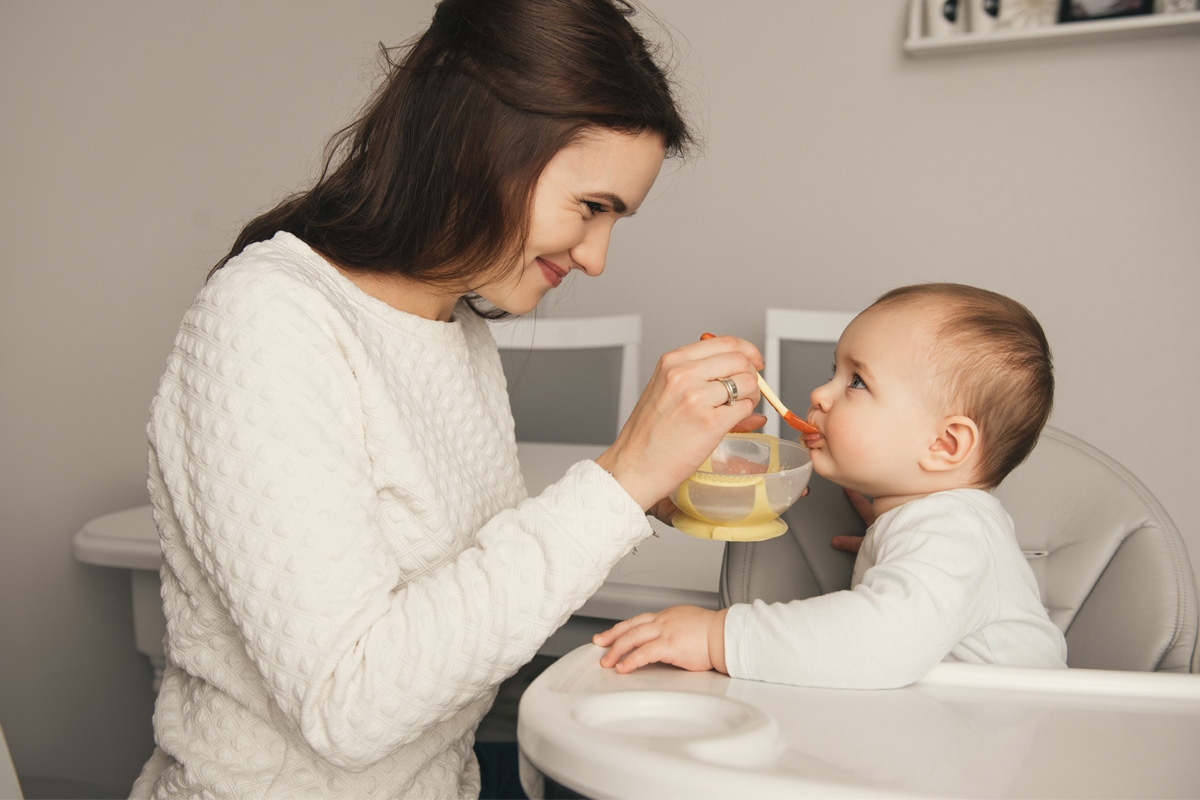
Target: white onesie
<point x="940" y="578"/>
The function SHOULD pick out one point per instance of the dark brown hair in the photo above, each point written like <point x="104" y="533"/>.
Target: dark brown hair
<point x="994" y="366"/>
<point x="435" y="179"/>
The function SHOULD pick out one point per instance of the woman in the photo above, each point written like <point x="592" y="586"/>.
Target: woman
<point x="351" y="564"/>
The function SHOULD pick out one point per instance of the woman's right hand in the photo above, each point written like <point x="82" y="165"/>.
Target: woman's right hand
<point x="682" y="415"/>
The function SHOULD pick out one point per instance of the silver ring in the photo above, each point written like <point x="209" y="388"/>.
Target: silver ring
<point x="731" y="387"/>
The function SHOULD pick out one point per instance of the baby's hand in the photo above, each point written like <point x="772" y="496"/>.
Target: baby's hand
<point x="862" y="504"/>
<point x="850" y="543"/>
<point x="686" y="636"/>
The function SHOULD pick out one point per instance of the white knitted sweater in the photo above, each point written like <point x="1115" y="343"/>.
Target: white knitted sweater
<point x="351" y="564"/>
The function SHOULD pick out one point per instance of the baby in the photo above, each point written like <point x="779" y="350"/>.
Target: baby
<point x="938" y="392"/>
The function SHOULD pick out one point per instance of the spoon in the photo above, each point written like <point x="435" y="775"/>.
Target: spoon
<point x="800" y="424"/>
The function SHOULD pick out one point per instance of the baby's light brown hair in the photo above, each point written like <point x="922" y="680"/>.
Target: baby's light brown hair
<point x="992" y="363"/>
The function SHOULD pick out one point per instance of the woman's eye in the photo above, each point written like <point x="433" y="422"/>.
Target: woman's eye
<point x="594" y="207"/>
<point x="857" y="382"/>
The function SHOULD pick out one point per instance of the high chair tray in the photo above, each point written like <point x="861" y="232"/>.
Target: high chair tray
<point x="962" y="731"/>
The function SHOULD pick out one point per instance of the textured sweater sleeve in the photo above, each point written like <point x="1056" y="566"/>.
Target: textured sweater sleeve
<point x="399" y="661"/>
<point x="270" y="506"/>
<point x="924" y="593"/>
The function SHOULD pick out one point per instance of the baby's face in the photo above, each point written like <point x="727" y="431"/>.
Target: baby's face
<point x="876" y="414"/>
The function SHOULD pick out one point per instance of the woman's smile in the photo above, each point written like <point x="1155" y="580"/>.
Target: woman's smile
<point x="554" y="273"/>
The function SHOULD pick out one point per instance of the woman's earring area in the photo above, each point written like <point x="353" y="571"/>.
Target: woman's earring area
<point x="731" y="388"/>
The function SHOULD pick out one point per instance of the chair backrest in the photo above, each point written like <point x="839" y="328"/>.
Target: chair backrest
<point x="798" y="355"/>
<point x="570" y="380"/>
<point x="1112" y="568"/>
<point x="10" y="787"/>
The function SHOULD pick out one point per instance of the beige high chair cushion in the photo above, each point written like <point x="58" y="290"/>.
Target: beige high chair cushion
<point x="1113" y="570"/>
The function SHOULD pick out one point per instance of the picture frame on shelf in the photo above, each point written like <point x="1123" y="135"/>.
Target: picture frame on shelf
<point x="1082" y="10"/>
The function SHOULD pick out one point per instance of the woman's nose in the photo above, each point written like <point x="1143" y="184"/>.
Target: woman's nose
<point x="591" y="253"/>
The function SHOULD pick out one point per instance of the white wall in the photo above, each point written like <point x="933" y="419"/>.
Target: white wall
<point x="138" y="136"/>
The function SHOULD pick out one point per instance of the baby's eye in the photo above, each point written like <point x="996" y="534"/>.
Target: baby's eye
<point x="857" y="383"/>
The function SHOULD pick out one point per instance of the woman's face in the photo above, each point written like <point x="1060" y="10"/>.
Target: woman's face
<point x="584" y="189"/>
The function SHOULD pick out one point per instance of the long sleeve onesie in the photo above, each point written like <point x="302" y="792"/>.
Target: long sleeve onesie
<point x="351" y="563"/>
<point x="940" y="578"/>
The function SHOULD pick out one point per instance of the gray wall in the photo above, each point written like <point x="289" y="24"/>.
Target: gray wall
<point x="137" y="136"/>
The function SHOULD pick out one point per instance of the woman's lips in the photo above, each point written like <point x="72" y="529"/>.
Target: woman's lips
<point x="554" y="275"/>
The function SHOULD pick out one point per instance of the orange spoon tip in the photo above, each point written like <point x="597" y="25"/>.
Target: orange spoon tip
<point x="802" y="425"/>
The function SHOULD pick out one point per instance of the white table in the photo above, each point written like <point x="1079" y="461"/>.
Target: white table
<point x="963" y="731"/>
<point x="668" y="570"/>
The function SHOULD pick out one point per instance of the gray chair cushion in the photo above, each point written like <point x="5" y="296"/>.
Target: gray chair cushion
<point x="1113" y="570"/>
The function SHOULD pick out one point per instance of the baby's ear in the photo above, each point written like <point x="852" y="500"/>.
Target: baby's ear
<point x="955" y="444"/>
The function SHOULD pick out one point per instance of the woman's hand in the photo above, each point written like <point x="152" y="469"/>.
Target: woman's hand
<point x="663" y="510"/>
<point x="682" y="415"/>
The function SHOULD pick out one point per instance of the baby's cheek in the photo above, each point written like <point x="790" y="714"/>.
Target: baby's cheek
<point x="847" y="446"/>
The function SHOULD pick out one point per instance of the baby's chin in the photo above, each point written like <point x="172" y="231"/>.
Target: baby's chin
<point x="822" y="464"/>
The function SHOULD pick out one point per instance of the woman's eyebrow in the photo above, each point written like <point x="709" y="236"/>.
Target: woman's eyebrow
<point x="618" y="205"/>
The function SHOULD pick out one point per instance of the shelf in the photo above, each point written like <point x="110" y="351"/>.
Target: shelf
<point x="917" y="44"/>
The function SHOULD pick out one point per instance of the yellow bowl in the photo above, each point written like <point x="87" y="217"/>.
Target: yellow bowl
<point x="742" y="488"/>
